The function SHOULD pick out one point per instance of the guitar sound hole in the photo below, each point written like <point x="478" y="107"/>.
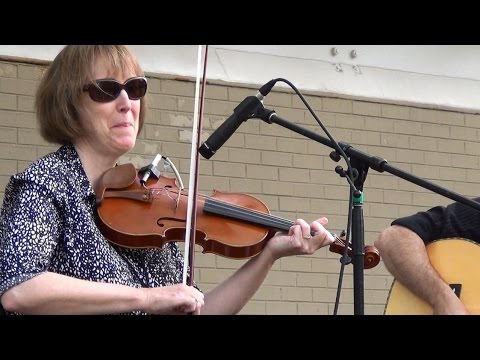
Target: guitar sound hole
<point x="457" y="288"/>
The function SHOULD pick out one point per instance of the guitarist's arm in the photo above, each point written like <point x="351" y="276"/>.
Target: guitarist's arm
<point x="405" y="256"/>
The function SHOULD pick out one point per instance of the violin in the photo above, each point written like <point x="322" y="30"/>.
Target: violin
<point x="136" y="214"/>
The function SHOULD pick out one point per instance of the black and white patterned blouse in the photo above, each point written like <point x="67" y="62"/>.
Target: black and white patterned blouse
<point x="47" y="224"/>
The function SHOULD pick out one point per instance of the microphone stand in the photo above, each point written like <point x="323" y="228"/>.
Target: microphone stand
<point x="360" y="163"/>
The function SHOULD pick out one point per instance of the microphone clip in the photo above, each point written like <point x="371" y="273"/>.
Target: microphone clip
<point x="150" y="170"/>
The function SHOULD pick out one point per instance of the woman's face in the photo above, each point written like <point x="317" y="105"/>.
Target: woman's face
<point x="111" y="127"/>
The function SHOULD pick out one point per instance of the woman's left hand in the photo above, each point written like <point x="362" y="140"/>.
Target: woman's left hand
<point x="299" y="240"/>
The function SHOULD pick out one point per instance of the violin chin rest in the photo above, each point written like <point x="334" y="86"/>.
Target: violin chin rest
<point x="118" y="177"/>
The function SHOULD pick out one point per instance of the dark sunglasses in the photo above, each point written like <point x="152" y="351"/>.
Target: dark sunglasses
<point x="106" y="90"/>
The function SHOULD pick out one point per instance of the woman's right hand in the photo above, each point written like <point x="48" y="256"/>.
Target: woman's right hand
<point x="178" y="299"/>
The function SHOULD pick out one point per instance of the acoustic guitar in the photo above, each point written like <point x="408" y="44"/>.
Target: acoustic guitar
<point x="458" y="262"/>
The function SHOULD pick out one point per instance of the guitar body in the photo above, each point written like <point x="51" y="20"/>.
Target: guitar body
<point x="458" y="262"/>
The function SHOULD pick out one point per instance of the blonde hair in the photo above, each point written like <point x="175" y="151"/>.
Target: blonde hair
<point x="57" y="100"/>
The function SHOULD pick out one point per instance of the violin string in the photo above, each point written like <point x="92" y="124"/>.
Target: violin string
<point x="241" y="213"/>
<point x="254" y="216"/>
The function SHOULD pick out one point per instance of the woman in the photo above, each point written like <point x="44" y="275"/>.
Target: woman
<point x="53" y="258"/>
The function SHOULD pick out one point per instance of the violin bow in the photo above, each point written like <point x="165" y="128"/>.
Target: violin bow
<point x="191" y="224"/>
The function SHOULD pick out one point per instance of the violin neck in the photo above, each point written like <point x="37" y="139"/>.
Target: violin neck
<point x="221" y="208"/>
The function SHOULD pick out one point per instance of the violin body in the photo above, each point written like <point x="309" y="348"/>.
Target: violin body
<point x="233" y="225"/>
<point x="136" y="216"/>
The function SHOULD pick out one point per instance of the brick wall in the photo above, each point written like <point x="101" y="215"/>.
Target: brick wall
<point x="292" y="175"/>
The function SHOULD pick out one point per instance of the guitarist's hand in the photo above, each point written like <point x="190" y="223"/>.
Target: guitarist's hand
<point x="449" y="305"/>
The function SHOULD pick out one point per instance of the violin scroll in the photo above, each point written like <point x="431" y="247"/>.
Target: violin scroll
<point x="371" y="257"/>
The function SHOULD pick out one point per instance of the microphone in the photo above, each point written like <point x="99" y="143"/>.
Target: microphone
<point x="244" y="111"/>
<point x="150" y="170"/>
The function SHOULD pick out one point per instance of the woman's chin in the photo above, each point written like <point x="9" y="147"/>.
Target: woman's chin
<point x="125" y="146"/>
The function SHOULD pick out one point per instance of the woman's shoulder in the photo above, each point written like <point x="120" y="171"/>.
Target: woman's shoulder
<point x="51" y="176"/>
<point x="53" y="165"/>
<point x="55" y="172"/>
